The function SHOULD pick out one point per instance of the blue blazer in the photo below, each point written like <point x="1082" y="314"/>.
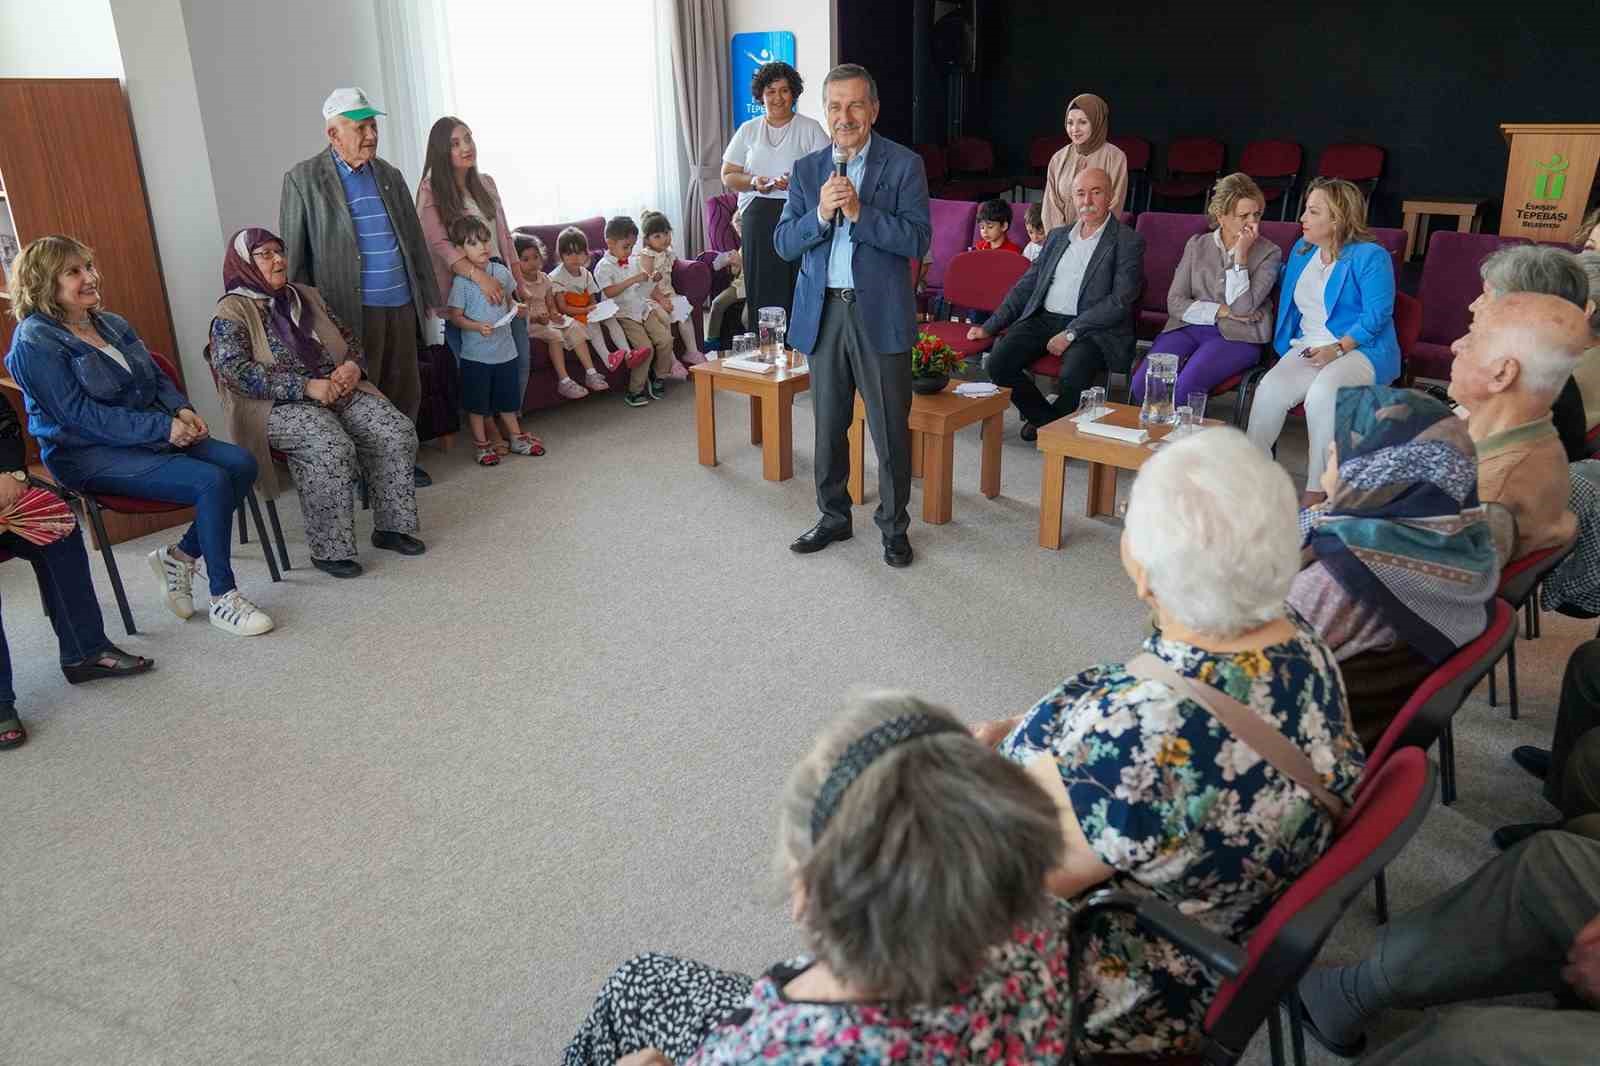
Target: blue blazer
<point x="1360" y="299"/>
<point x="894" y="228"/>
<point x="85" y="410"/>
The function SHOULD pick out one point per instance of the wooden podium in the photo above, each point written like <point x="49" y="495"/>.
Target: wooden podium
<point x="1548" y="179"/>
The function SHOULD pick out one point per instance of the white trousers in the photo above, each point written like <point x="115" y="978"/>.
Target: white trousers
<point x="1295" y="380"/>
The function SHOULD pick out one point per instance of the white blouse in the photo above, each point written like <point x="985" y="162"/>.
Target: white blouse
<point x="1309" y="297"/>
<point x="116" y="356"/>
<point x="771" y="152"/>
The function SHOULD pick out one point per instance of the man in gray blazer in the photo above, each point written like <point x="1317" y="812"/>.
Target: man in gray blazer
<point x="854" y="235"/>
<point x="350" y="229"/>
<point x="1075" y="301"/>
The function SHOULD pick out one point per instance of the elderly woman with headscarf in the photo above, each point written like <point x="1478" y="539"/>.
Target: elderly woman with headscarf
<point x="1156" y="763"/>
<point x="1087" y="149"/>
<point x="914" y="860"/>
<point x="293" y="380"/>
<point x="1402" y="562"/>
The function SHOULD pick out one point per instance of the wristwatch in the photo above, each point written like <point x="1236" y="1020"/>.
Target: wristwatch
<point x="1071" y="336"/>
<point x="20" y="475"/>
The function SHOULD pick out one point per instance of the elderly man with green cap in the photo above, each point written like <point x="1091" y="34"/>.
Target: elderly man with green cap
<point x="350" y="229"/>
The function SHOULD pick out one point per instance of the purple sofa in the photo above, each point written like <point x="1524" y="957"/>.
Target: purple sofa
<point x="1165" y="234"/>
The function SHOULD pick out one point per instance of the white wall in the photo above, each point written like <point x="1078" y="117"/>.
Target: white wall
<point x="815" y="41"/>
<point x="262" y="71"/>
<point x="177" y="174"/>
<point x="58" y="39"/>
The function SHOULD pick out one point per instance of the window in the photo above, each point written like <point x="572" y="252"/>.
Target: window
<point x="565" y="102"/>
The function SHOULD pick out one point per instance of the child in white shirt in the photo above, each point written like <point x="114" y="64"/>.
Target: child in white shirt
<point x="1034" y="222"/>
<point x="550" y="324"/>
<point x="575" y="293"/>
<point x="621" y="278"/>
<point x="657" y="257"/>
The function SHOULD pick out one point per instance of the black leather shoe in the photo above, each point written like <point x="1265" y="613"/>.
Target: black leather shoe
<point x="338" y="567"/>
<point x="897" y="551"/>
<point x="1029" y="432"/>
<point x="94" y="668"/>
<point x="1509" y="836"/>
<point x="420" y="476"/>
<point x="818" y="537"/>
<point x="1534" y="760"/>
<point x="404" y="543"/>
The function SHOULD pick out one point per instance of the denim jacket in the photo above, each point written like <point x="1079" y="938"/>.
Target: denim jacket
<point x="80" y="401"/>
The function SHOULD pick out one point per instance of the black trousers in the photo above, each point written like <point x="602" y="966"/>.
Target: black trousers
<point x="1573" y="783"/>
<point x="841" y="366"/>
<point x="769" y="279"/>
<point x="1024" y="342"/>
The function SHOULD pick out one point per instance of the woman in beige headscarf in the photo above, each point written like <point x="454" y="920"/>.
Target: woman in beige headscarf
<point x="1087" y="125"/>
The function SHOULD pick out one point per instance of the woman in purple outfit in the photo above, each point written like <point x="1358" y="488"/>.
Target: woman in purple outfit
<point x="1219" y="307"/>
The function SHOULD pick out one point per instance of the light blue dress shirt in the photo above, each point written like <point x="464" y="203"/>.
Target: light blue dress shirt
<point x="840" y="274"/>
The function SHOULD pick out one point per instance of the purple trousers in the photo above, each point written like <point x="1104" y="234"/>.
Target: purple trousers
<point x="1205" y="360"/>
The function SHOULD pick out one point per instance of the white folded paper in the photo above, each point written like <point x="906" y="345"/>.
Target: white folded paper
<point x="680" y="309"/>
<point x="603" y="310"/>
<point x="560" y="322"/>
<point x="505" y="319"/>
<point x="977" y="388"/>
<point x="1123" y="433"/>
<point x="1092" y="416"/>
<point x="753" y="366"/>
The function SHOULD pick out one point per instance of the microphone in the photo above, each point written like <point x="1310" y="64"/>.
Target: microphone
<point x="841" y="159"/>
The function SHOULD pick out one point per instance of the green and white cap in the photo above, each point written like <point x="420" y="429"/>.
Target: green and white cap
<point x="351" y="103"/>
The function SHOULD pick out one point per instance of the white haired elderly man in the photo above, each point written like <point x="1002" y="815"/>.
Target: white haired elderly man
<point x="350" y="229"/>
<point x="1509" y="367"/>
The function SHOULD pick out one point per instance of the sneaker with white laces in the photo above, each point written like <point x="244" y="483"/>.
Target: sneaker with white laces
<point x="595" y="382"/>
<point x="177" y="581"/>
<point x="570" y="389"/>
<point x="232" y="613"/>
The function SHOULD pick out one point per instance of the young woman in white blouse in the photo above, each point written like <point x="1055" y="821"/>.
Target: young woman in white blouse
<point x="756" y="166"/>
<point x="1335" y="323"/>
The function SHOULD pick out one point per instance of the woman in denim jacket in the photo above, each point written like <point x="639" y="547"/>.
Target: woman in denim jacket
<point x="109" y="420"/>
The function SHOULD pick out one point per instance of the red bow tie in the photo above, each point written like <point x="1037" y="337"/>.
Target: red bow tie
<point x="622" y="262"/>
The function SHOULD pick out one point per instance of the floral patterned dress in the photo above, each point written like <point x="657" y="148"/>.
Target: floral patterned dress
<point x="1011" y="1014"/>
<point x="1184" y="812"/>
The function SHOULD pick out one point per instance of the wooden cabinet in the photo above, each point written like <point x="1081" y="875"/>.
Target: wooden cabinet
<point x="68" y="164"/>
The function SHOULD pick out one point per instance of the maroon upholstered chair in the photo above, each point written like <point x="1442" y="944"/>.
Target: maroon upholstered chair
<point x="1193" y="166"/>
<point x="1275" y="166"/>
<point x="1165" y="233"/>
<point x="1361" y="164"/>
<point x="1017" y="232"/>
<point x="94" y="503"/>
<point x="936" y="165"/>
<point x="1407" y="327"/>
<point x="1284" y="234"/>
<point x="976" y="281"/>
<point x="971" y="164"/>
<point x="1040" y="151"/>
<point x="720" y="234"/>
<point x="1139" y="153"/>
<point x="1519" y="582"/>
<point x="1450" y="282"/>
<point x="1282" y="947"/>
<point x="954" y="222"/>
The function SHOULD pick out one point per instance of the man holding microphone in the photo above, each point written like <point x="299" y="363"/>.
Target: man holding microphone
<point x="857" y="213"/>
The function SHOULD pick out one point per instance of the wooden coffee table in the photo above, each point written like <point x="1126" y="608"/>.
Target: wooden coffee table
<point x="771" y="411"/>
<point x="1060" y="441"/>
<point x="934" y="421"/>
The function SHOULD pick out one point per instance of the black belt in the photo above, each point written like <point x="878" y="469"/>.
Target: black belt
<point x="847" y="295"/>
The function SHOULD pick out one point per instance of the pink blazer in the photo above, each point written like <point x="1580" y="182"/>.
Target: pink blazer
<point x="444" y="253"/>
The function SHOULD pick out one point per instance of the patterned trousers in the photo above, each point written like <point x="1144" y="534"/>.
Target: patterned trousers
<point x="658" y="1001"/>
<point x="324" y="447"/>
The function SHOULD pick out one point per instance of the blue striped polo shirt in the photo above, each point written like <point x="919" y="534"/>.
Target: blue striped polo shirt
<point x="383" y="270"/>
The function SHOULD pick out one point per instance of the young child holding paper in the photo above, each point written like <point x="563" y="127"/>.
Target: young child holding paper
<point x="488" y="354"/>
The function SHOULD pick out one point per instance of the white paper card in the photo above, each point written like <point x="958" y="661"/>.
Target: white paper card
<point x="681" y="309"/>
<point x="505" y="319"/>
<point x="603" y="310"/>
<point x="1123" y="433"/>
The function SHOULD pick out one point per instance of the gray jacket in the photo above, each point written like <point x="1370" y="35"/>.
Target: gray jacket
<point x="320" y="239"/>
<point x="1111" y="283"/>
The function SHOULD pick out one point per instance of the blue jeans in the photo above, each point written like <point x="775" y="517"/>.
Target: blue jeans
<point x="68" y="591"/>
<point x="213" y="476"/>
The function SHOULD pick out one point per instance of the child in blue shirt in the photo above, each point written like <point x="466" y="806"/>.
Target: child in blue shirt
<point x="488" y="354"/>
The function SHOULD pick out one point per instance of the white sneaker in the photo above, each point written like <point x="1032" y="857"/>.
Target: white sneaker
<point x="177" y="581"/>
<point x="232" y="613"/>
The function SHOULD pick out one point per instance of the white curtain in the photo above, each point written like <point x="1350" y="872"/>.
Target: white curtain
<point x="568" y="104"/>
<point x="413" y="43"/>
<point x="699" y="56"/>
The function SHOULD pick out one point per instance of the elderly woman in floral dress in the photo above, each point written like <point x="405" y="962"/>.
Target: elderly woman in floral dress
<point x="1151" y="785"/>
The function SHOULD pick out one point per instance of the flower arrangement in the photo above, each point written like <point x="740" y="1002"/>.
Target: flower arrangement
<point x="932" y="357"/>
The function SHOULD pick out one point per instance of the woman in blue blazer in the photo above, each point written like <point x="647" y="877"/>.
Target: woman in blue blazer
<point x="1335" y="323"/>
<point x="108" y="420"/>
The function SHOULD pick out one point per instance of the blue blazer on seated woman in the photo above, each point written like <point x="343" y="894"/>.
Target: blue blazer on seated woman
<point x="1360" y="300"/>
<point x="85" y="410"/>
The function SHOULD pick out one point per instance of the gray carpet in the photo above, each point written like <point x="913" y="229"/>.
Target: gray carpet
<point x="421" y="821"/>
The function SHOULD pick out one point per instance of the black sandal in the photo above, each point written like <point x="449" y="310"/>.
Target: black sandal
<point x="94" y="667"/>
<point x="12" y="735"/>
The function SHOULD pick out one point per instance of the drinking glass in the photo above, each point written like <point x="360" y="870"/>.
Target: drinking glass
<point x="1197" y="404"/>
<point x="1188" y="421"/>
<point x="1085" y="406"/>
<point x="773" y="323"/>
<point x="1099" y="408"/>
